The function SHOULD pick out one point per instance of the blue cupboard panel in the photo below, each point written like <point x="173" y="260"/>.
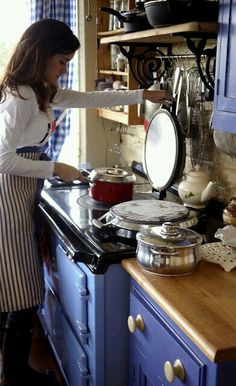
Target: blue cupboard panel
<point x="52" y="318"/>
<point x="225" y="79"/>
<point x="73" y="293"/>
<point x="50" y="265"/>
<point x="160" y="344"/>
<point x="74" y="359"/>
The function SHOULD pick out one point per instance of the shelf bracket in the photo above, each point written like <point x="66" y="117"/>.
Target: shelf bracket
<point x="148" y="63"/>
<point x="206" y="66"/>
<point x="145" y="60"/>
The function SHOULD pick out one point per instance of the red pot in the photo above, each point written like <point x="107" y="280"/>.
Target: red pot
<point x="111" y="185"/>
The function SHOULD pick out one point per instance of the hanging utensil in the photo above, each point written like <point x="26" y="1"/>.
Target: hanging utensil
<point x="177" y="86"/>
<point x="188" y="106"/>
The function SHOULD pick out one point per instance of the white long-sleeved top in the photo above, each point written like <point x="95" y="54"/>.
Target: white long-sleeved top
<point x="23" y="124"/>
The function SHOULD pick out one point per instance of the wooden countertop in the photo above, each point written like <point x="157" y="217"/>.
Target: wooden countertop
<point x="202" y="304"/>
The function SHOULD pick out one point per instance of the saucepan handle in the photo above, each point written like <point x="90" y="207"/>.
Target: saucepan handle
<point x="99" y="224"/>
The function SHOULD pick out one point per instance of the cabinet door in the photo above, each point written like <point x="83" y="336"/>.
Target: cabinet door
<point x="157" y="344"/>
<point x="73" y="293"/>
<point x="140" y="374"/>
<point x="225" y="79"/>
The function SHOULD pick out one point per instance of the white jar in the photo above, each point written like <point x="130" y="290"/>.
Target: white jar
<point x="120" y="63"/>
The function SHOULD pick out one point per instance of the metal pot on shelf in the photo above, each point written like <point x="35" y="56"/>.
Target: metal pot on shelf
<point x="133" y="21"/>
<point x="111" y="184"/>
<point x="169" y="12"/>
<point x="168" y="250"/>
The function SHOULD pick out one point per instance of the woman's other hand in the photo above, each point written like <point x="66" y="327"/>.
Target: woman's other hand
<point x="158" y="96"/>
<point x="67" y="172"/>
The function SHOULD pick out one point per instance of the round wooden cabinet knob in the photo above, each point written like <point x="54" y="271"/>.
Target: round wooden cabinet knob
<point x="135" y="323"/>
<point x="177" y="370"/>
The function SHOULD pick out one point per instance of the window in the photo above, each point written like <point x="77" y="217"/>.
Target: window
<point x="14" y="19"/>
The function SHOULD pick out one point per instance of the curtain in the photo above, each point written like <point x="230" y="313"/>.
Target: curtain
<point x="63" y="10"/>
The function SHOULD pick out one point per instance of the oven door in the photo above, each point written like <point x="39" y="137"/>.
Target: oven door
<point x="73" y="247"/>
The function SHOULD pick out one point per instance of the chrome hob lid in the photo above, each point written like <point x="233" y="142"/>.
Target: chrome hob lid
<point x="142" y="214"/>
<point x="149" y="211"/>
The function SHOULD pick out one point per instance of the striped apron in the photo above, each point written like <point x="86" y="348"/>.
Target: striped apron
<point x="21" y="270"/>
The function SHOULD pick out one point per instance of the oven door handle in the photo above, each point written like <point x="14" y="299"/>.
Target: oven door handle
<point x="68" y="248"/>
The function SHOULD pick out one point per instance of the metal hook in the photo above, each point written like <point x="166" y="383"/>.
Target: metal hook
<point x="89" y="15"/>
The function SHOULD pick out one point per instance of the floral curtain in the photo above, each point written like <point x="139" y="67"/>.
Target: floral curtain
<point x="63" y="10"/>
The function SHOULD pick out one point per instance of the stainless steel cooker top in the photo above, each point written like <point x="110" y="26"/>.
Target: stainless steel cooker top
<point x="149" y="211"/>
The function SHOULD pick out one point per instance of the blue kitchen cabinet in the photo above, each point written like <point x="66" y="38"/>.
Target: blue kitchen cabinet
<point x="224" y="114"/>
<point x="161" y="354"/>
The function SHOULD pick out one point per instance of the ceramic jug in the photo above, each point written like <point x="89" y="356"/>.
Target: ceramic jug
<point x="195" y="190"/>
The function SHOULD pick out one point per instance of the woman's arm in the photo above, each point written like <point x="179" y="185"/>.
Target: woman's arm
<point x="158" y="96"/>
<point x="65" y="98"/>
<point x="67" y="172"/>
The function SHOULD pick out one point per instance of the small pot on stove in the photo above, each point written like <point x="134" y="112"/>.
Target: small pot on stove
<point x="111" y="185"/>
<point x="168" y="250"/>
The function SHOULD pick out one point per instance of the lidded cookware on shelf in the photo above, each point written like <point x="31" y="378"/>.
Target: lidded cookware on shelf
<point x="168" y="249"/>
<point x="169" y="12"/>
<point x="133" y="20"/>
<point x="111" y="184"/>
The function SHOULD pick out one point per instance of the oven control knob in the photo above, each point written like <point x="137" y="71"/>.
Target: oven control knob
<point x="135" y="323"/>
<point x="175" y="370"/>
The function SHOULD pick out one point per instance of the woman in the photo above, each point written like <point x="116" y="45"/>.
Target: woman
<point x="28" y="93"/>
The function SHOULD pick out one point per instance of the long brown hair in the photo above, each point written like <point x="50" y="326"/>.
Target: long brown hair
<point x="28" y="62"/>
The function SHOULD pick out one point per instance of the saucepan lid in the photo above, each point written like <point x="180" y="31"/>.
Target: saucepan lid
<point x="111" y="174"/>
<point x="164" y="150"/>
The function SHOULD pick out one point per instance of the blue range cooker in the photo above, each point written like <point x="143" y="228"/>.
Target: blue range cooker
<point x="87" y="291"/>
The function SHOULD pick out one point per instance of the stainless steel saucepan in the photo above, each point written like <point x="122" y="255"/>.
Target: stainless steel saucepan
<point x="168" y="250"/>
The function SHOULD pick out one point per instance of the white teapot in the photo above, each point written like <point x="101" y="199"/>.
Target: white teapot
<point x="195" y="190"/>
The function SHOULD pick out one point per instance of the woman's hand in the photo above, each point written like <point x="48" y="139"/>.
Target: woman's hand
<point x="158" y="96"/>
<point x="67" y="172"/>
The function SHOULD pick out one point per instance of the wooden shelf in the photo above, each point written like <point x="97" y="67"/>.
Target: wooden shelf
<point x="113" y="72"/>
<point x="172" y="34"/>
<point x="111" y="33"/>
<point x="120" y="117"/>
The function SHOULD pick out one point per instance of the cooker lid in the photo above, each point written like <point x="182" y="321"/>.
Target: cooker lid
<point x="169" y="235"/>
<point x="149" y="211"/>
<point x="164" y="150"/>
<point x="112" y="174"/>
